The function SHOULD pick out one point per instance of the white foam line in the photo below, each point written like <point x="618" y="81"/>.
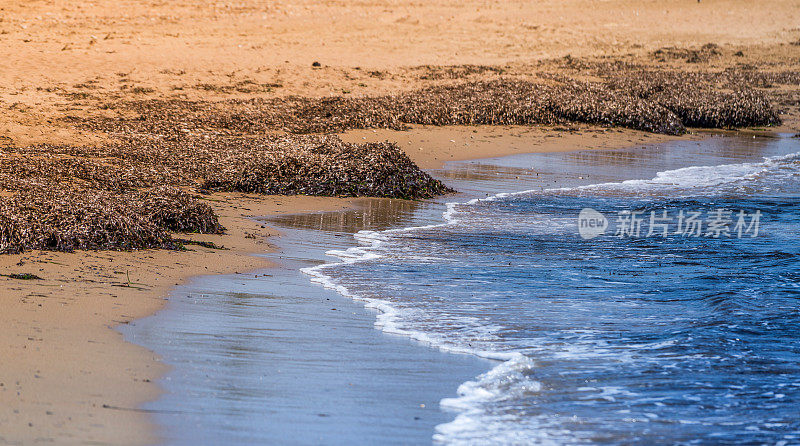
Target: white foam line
<point x="671" y="177"/>
<point x="389" y="318"/>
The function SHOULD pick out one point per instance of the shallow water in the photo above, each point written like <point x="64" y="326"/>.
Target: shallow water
<point x="615" y="340"/>
<point x="270" y="358"/>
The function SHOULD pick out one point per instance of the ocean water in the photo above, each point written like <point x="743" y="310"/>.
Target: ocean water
<point x="670" y="334"/>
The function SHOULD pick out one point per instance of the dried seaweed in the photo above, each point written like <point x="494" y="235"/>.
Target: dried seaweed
<point x="177" y="211"/>
<point x="65" y="220"/>
<point x="22" y="276"/>
<point x="659" y="101"/>
<point x="127" y="195"/>
<point x="689" y="55"/>
<point x="694" y="100"/>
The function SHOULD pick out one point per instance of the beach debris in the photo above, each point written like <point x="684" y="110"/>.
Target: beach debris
<point x="689" y="55"/>
<point x="696" y="103"/>
<point x="64" y="220"/>
<point x="655" y="100"/>
<point x="22" y="276"/>
<point x="130" y="194"/>
<point x="209" y="245"/>
<point x="436" y="72"/>
<point x="316" y="165"/>
<point x="173" y="209"/>
<point x="60" y="218"/>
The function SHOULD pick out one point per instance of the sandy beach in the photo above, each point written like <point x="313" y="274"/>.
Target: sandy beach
<point x="82" y="76"/>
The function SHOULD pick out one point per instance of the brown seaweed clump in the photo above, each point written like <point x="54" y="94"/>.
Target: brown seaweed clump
<point x="497" y="102"/>
<point x="128" y="195"/>
<point x="323" y="165"/>
<point x="693" y="98"/>
<point x="266" y="164"/>
<point x="60" y="205"/>
<point x="689" y="55"/>
<point x="506" y="102"/>
<point x="60" y="220"/>
<point x="658" y="101"/>
<point x="172" y="209"/>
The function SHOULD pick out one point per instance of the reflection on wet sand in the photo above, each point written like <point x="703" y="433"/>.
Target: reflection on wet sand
<point x="483" y="172"/>
<point x="716" y="145"/>
<point x="371" y="214"/>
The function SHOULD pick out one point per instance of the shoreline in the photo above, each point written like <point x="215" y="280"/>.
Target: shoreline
<point x="132" y="372"/>
<point x="269" y="336"/>
<point x="317" y="224"/>
<point x="62" y="328"/>
<point x="392" y="281"/>
<point x="124" y="286"/>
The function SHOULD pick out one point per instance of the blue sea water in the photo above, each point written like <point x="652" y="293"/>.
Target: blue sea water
<point x="622" y="338"/>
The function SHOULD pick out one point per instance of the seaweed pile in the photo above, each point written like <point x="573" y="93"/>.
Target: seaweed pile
<point x="504" y="102"/>
<point x="316" y="165"/>
<point x="266" y="164"/>
<point x="698" y="101"/>
<point x="659" y="101"/>
<point x="130" y="194"/>
<point x="65" y="220"/>
<point x="689" y="55"/>
<point x="172" y="209"/>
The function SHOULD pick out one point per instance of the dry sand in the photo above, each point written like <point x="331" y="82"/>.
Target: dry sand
<point x="65" y="375"/>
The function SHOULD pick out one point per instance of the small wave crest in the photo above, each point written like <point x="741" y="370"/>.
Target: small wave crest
<point x="692" y="180"/>
<point x="480" y="421"/>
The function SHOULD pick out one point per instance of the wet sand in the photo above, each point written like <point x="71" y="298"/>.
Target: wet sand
<point x="431" y="147"/>
<point x="280" y="359"/>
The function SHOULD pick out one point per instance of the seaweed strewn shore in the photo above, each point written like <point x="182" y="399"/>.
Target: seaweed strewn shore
<point x="631" y="96"/>
<point x="162" y="155"/>
<point x="126" y="195"/>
